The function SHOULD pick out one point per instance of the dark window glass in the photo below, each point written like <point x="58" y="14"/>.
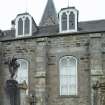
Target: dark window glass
<point x="72" y="21"/>
<point x="64" y="21"/>
<point x="27" y="25"/>
<point x="20" y="27"/>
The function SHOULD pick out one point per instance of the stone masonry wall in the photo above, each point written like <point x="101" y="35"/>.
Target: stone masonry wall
<point x="1" y="76"/>
<point x="43" y="55"/>
<point x="76" y="46"/>
<point x="24" y="49"/>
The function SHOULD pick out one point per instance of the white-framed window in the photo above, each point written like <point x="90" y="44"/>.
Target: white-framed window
<point x="27" y="26"/>
<point x="68" y="75"/>
<point x="71" y="20"/>
<point x="23" y="25"/>
<point x="68" y="20"/>
<point x="64" y="21"/>
<point x="20" y="27"/>
<point x="22" y="72"/>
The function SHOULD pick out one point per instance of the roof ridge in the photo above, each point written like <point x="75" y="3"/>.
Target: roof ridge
<point x="97" y="20"/>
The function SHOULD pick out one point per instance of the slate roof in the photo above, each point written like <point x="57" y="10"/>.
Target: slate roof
<point x="92" y="26"/>
<point x="53" y="30"/>
<point x="49" y="16"/>
<point x="83" y="27"/>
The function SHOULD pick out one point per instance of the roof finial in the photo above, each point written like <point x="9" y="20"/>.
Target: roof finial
<point x="68" y="3"/>
<point x="26" y="3"/>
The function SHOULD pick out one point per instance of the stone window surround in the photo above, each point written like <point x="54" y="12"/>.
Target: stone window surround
<point x="68" y="11"/>
<point x="70" y="95"/>
<point x="27" y="66"/>
<point x="24" y="17"/>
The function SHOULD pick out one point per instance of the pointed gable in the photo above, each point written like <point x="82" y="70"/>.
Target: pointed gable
<point x="50" y="16"/>
<point x="25" y="25"/>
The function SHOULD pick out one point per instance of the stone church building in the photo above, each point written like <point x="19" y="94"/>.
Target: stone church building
<point x="62" y="60"/>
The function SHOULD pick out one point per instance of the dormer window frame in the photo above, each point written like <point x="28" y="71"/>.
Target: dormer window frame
<point x="68" y="11"/>
<point x="24" y="17"/>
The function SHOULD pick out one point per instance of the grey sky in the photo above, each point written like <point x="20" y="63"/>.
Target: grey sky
<point x="88" y="9"/>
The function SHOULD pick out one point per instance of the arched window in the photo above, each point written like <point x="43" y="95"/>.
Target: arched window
<point x="64" y="21"/>
<point x="24" y="25"/>
<point x="72" y="21"/>
<point x="20" y="27"/>
<point x="68" y="75"/>
<point x="27" y="26"/>
<point x="22" y="73"/>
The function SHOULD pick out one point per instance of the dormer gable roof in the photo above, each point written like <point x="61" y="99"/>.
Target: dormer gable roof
<point x="68" y="20"/>
<point x="27" y="25"/>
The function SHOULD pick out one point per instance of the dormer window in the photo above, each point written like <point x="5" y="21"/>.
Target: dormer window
<point x="68" y="19"/>
<point x="20" y="27"/>
<point x="71" y="20"/>
<point x="23" y="25"/>
<point x="27" y="25"/>
<point x="64" y="21"/>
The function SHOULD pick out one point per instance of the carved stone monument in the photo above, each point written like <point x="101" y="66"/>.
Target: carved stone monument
<point x="12" y="89"/>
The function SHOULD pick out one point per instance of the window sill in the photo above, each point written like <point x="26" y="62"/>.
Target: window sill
<point x="69" y="96"/>
<point x="25" y="35"/>
<point x="68" y="31"/>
